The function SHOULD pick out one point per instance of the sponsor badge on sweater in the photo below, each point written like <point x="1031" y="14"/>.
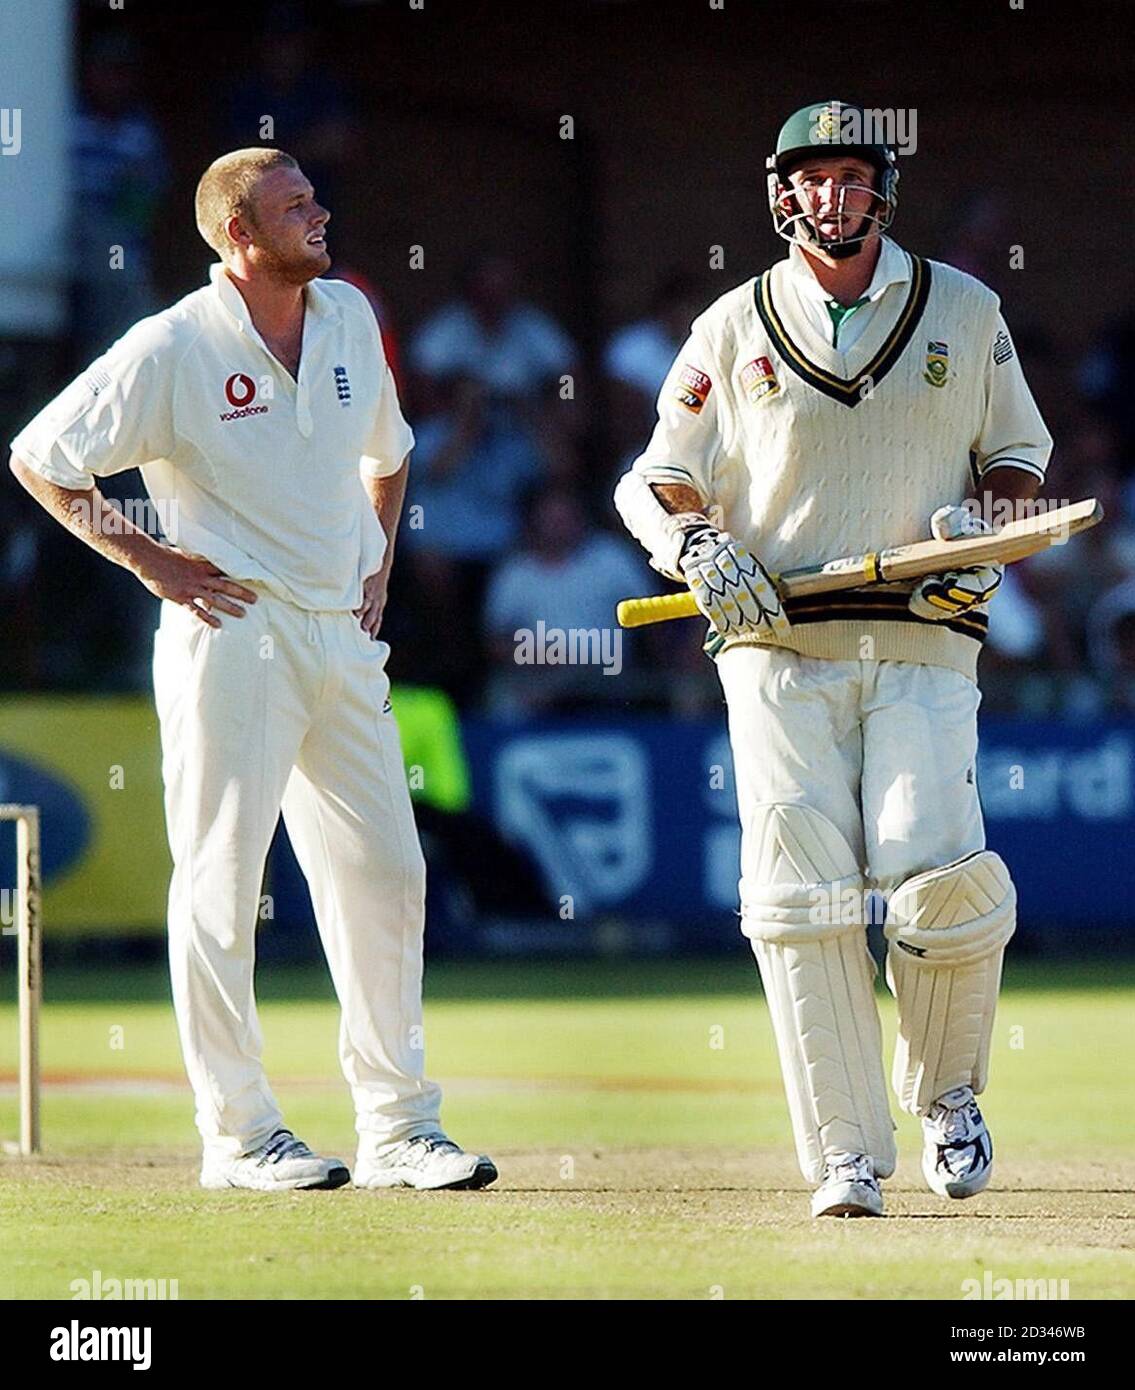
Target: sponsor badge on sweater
<point x="758" y="379"/>
<point x="693" y="389"/>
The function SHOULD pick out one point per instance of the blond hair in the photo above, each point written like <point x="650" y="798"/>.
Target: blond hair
<point x="225" y="190"/>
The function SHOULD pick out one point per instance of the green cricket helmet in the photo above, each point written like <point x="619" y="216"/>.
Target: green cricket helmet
<point x="813" y="131"/>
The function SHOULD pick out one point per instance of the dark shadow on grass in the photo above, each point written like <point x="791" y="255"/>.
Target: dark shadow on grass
<point x="549" y="979"/>
<point x="146" y="981"/>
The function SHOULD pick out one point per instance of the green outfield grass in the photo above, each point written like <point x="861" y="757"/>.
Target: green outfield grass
<point x="636" y="1113"/>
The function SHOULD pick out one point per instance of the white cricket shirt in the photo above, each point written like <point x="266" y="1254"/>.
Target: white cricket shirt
<point x="892" y="273"/>
<point x="260" y="473"/>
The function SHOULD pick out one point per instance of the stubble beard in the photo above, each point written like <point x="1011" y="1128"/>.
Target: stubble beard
<point x="291" y="269"/>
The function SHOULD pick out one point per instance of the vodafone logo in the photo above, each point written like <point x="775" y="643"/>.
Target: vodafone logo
<point x="240" y="392"/>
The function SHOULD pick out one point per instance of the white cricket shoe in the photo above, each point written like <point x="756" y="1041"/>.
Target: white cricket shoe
<point x="849" y="1188"/>
<point x="957" y="1148"/>
<point x="429" y="1161"/>
<point x="283" y="1162"/>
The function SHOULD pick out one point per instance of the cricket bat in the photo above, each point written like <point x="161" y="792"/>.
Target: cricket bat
<point x="1013" y="542"/>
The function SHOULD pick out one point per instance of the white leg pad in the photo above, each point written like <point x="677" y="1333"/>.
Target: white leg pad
<point x="947" y="931"/>
<point x="801" y="907"/>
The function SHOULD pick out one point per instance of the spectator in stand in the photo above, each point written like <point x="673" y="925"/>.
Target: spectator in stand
<point x="1111" y="644"/>
<point x="982" y="240"/>
<point x="639" y="355"/>
<point x="1014" y="652"/>
<point x="470" y="468"/>
<point x="311" y="115"/>
<point x="1105" y="379"/>
<point x="118" y="169"/>
<point x="489" y="333"/>
<point x="1016" y="629"/>
<point x="1047" y="374"/>
<point x="568" y="575"/>
<point x="471" y="465"/>
<point x="105" y="644"/>
<point x="1065" y="580"/>
<point x="432" y="630"/>
<point x="23" y="626"/>
<point x="119" y="177"/>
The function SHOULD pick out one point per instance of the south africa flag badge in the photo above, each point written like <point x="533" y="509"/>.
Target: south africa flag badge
<point x="937" y="363"/>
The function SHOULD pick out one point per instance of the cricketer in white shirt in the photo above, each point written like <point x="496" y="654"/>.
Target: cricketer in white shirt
<point x="256" y="470"/>
<point x="284" y="707"/>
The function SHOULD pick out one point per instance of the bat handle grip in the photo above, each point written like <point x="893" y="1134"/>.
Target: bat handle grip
<point x="637" y="612"/>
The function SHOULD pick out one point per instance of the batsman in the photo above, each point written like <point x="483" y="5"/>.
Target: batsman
<point x="852" y="397"/>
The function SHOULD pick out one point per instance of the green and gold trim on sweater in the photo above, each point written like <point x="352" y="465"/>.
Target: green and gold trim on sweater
<point x="876" y="625"/>
<point x="878" y="605"/>
<point x="848" y="392"/>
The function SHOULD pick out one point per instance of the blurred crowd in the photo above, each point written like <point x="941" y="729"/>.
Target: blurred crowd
<point x="520" y="437"/>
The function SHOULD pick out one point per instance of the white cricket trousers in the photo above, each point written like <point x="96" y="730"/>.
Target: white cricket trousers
<point x="886" y="750"/>
<point x="851" y="775"/>
<point x="286" y="709"/>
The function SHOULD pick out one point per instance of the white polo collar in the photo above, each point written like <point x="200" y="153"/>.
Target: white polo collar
<point x="317" y="302"/>
<point x="892" y="268"/>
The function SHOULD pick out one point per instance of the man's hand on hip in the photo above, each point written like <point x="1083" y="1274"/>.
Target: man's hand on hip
<point x="191" y="580"/>
<point x="370" y="612"/>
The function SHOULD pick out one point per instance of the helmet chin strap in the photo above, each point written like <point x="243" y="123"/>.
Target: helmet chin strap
<point x="840" y="250"/>
<point x="843" y="250"/>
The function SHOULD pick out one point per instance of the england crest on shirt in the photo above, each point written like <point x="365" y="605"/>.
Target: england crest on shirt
<point x="342" y="385"/>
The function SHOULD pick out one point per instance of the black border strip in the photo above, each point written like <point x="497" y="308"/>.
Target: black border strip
<point x="847" y="391"/>
<point x="858" y="607"/>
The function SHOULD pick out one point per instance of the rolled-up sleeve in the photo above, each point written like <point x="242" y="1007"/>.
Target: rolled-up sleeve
<point x="1013" y="434"/>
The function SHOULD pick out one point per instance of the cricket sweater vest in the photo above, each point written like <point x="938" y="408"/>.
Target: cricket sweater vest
<point x="811" y="453"/>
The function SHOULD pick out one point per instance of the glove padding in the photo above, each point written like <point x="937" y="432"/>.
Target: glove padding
<point x="730" y="585"/>
<point x="941" y="596"/>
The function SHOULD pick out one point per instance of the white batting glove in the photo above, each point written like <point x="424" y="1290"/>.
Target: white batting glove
<point x="730" y="586"/>
<point x="940" y="596"/>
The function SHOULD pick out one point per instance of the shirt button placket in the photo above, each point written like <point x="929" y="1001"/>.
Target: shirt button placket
<point x="303" y="411"/>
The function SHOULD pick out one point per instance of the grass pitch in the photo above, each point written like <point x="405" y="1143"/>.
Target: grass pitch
<point x="636" y="1114"/>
